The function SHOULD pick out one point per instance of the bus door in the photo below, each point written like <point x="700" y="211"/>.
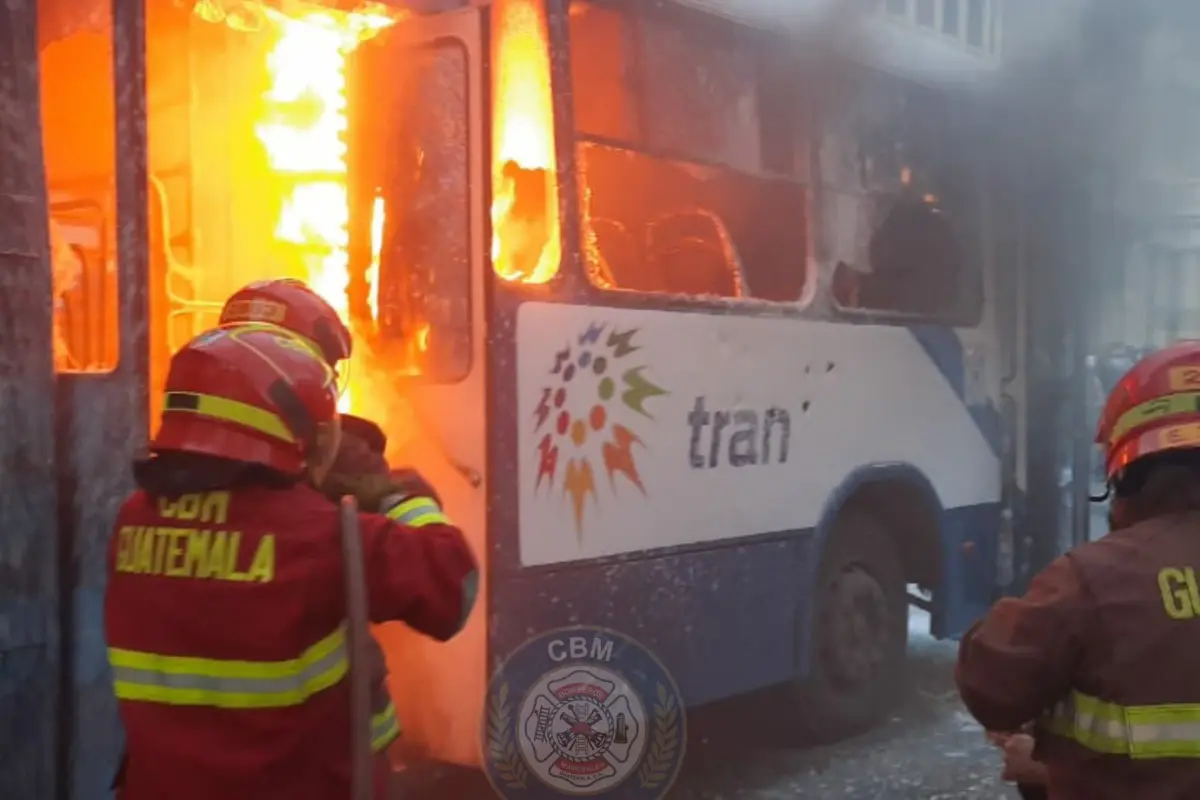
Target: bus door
<point x="28" y="564"/>
<point x="417" y="188"/>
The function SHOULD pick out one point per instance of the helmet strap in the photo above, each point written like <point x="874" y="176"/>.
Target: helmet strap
<point x="294" y="414"/>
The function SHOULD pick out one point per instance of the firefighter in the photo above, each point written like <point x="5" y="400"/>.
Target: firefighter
<point x="293" y="305"/>
<point x="225" y="607"/>
<point x="1103" y="651"/>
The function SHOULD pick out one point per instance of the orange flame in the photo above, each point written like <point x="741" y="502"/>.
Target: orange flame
<point x="525" y="224"/>
<point x="303" y="129"/>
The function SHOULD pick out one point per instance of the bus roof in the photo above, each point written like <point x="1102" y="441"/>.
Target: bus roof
<point x="891" y="42"/>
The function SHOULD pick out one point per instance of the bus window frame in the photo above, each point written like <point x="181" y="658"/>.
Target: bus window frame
<point x="817" y="301"/>
<point x="424" y="37"/>
<point x="739" y="35"/>
<point x="970" y="307"/>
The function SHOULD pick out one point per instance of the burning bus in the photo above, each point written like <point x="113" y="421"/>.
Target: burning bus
<point x="654" y="345"/>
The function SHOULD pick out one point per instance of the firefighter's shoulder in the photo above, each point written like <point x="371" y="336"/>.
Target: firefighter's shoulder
<point x="1117" y="550"/>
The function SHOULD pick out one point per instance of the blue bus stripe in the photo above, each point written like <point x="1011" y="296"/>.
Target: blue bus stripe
<point x="945" y="350"/>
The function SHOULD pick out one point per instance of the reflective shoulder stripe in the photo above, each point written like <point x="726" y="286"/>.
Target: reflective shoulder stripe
<point x="417" y="511"/>
<point x="1140" y="732"/>
<point x="385" y="728"/>
<point x="190" y="681"/>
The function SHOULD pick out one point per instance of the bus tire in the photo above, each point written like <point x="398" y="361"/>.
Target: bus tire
<point x="859" y="643"/>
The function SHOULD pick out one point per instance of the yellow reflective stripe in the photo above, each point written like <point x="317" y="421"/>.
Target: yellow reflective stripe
<point x="222" y="408"/>
<point x="185" y="680"/>
<point x="227" y="668"/>
<point x="385" y="727"/>
<point x="1139" y="732"/>
<point x="417" y="511"/>
<point x="1183" y="403"/>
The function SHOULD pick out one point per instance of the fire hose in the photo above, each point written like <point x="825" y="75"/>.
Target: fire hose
<point x="357" y="639"/>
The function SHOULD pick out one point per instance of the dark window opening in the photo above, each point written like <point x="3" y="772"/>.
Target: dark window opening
<point x="926" y="13"/>
<point x="975" y="22"/>
<point x="950" y="9"/>
<point x="679" y="119"/>
<point x="906" y="240"/>
<point x="915" y="259"/>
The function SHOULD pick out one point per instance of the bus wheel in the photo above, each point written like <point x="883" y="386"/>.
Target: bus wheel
<point x="860" y="631"/>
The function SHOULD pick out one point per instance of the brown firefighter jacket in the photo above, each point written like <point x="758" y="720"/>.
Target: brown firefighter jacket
<point x="1104" y="652"/>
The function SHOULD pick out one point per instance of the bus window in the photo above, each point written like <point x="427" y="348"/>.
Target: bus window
<point x="602" y="61"/>
<point x="700" y="91"/>
<point x="76" y="95"/>
<point x="674" y="197"/>
<point x="906" y="211"/>
<point x="414" y="167"/>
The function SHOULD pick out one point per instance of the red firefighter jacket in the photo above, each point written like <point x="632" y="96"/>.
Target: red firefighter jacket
<point x="225" y="624"/>
<point x="1104" y="652"/>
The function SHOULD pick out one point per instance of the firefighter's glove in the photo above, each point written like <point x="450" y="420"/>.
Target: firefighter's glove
<point x="369" y="490"/>
<point x="376" y="492"/>
<point x="359" y="453"/>
<point x="368" y="432"/>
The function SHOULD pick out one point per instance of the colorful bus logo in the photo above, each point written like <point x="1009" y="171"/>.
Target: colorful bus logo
<point x="588" y="416"/>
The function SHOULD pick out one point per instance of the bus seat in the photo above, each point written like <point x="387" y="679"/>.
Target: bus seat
<point x="694" y="254"/>
<point x="617" y="255"/>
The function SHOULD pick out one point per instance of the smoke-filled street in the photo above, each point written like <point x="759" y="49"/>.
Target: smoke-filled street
<point x="929" y="749"/>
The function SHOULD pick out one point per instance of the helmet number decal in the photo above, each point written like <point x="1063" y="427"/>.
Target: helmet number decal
<point x="1182" y="379"/>
<point x="257" y="309"/>
<point x="1185" y="435"/>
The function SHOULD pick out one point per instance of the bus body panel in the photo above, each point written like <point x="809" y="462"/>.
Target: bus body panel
<point x="30" y="659"/>
<point x="724" y="620"/>
<point x="691" y="428"/>
<point x="100" y="431"/>
<point x="712" y="567"/>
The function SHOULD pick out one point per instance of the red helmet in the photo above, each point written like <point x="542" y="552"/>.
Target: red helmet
<point x="1154" y="407"/>
<point x="291" y="304"/>
<point x="253" y="393"/>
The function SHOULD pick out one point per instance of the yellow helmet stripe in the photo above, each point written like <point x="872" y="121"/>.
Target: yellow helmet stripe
<point x="222" y="408"/>
<point x="1183" y="403"/>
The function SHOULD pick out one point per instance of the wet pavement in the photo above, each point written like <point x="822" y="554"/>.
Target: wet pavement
<point x="929" y="748"/>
